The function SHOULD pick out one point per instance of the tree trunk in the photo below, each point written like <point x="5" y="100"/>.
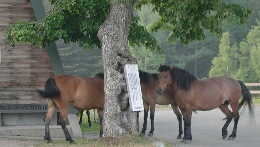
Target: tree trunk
<point x="113" y="34"/>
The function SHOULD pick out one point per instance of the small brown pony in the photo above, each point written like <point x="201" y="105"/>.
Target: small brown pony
<point x="78" y="92"/>
<point x="207" y="94"/>
<point x="151" y="98"/>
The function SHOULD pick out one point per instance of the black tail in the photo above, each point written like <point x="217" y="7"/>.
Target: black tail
<point x="51" y="90"/>
<point x="246" y="98"/>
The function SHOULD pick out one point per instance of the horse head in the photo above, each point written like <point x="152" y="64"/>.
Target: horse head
<point x="165" y="78"/>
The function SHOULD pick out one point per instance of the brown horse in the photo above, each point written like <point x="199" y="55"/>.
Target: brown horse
<point x="151" y="98"/>
<point x="192" y="94"/>
<point x="78" y="92"/>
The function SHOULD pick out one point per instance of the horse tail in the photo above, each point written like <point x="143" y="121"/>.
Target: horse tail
<point x="51" y="90"/>
<point x="246" y="98"/>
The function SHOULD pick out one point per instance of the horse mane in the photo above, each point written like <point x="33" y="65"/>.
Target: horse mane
<point x="144" y="76"/>
<point x="100" y="75"/>
<point x="181" y="77"/>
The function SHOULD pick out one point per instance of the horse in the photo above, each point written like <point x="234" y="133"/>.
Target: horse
<point x="206" y="94"/>
<point x="151" y="98"/>
<point x="78" y="92"/>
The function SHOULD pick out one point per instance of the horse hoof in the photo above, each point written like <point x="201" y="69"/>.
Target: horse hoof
<point x="72" y="142"/>
<point x="150" y="134"/>
<point x="142" y="134"/>
<point x="224" y="137"/>
<point x="186" y="141"/>
<point x="49" y="141"/>
<point x="179" y="137"/>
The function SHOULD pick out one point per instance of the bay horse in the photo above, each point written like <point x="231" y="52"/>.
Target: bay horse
<point x="81" y="93"/>
<point x="206" y="94"/>
<point x="151" y="98"/>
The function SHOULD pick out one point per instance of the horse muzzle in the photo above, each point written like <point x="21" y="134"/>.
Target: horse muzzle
<point x="160" y="91"/>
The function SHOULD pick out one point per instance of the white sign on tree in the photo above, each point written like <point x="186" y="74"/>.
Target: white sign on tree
<point x="133" y="86"/>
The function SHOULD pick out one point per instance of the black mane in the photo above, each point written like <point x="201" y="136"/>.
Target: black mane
<point x="181" y="77"/>
<point x="100" y="75"/>
<point x="144" y="76"/>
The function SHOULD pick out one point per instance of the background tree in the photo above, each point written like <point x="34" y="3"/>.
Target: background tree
<point x="147" y="60"/>
<point x="111" y="26"/>
<point x="226" y="63"/>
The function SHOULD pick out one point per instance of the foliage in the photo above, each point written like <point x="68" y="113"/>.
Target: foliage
<point x="147" y="60"/>
<point x="242" y="62"/>
<point x="74" y="21"/>
<point x="187" y="20"/>
<point x="226" y="63"/>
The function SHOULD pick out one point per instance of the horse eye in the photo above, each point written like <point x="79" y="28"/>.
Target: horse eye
<point x="165" y="77"/>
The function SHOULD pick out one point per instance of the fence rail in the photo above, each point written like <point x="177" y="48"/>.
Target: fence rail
<point x="253" y="85"/>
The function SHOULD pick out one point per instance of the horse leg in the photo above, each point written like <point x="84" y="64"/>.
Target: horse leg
<point x="48" y="117"/>
<point x="187" y="126"/>
<point x="229" y="116"/>
<point x="179" y="117"/>
<point x="100" y="115"/>
<point x="236" y="116"/>
<point x="80" y="117"/>
<point x="152" y="112"/>
<point x="63" y="118"/>
<point x="89" y="121"/>
<point x="137" y="121"/>
<point x="146" y="108"/>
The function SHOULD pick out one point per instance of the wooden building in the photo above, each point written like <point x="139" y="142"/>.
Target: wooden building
<point x="23" y="69"/>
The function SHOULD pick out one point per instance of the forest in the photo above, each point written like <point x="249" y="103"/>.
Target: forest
<point x="234" y="53"/>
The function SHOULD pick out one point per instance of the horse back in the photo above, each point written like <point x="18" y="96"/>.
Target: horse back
<point x="207" y="94"/>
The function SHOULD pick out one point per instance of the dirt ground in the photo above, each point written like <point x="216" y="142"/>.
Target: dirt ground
<point x="15" y="142"/>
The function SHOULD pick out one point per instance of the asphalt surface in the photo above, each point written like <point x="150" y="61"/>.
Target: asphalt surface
<point x="206" y="128"/>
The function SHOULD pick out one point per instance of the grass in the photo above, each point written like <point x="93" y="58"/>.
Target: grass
<point x="123" y="141"/>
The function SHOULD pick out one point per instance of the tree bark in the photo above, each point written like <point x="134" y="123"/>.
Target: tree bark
<point x="113" y="34"/>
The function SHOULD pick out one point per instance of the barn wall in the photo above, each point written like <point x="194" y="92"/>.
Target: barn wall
<point x="23" y="68"/>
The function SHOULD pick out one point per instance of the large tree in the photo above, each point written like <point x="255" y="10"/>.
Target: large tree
<point x="112" y="26"/>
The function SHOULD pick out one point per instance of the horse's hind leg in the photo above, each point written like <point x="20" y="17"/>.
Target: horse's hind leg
<point x="234" y="107"/>
<point x="48" y="117"/>
<point x="227" y="112"/>
<point x="89" y="121"/>
<point x="179" y="117"/>
<point x="63" y="118"/>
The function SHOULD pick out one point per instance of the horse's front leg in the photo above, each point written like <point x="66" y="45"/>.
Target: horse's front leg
<point x="100" y="115"/>
<point x="187" y="126"/>
<point x="146" y="109"/>
<point x="80" y="117"/>
<point x="179" y="117"/>
<point x="152" y="112"/>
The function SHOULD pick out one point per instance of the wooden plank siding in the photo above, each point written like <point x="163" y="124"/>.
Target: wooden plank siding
<point x="23" y="68"/>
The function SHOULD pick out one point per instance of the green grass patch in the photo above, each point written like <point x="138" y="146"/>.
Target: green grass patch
<point x="85" y="126"/>
<point x="256" y="100"/>
<point x="123" y="141"/>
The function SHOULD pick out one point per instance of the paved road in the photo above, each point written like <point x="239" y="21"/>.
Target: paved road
<point x="206" y="128"/>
